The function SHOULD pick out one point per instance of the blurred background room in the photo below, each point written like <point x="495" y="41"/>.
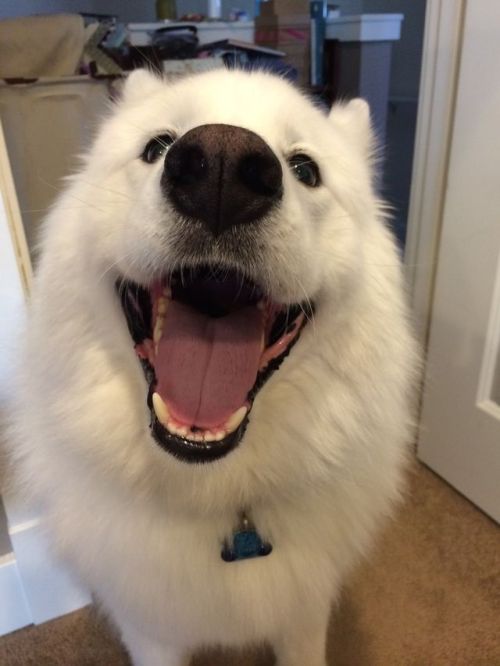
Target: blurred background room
<point x="430" y="70"/>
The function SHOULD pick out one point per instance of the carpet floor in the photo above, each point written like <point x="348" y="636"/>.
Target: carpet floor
<point x="429" y="596"/>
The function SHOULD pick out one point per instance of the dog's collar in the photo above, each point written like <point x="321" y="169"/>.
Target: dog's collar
<point x="246" y="542"/>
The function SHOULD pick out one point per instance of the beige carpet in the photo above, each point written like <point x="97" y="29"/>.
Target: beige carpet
<point x="430" y="596"/>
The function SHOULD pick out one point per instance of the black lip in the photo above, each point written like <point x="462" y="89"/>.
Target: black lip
<point x="195" y="452"/>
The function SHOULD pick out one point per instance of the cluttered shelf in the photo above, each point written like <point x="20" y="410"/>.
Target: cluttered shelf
<point x="298" y="39"/>
<point x="100" y="45"/>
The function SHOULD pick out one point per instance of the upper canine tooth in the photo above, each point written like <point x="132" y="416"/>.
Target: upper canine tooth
<point x="162" y="306"/>
<point x="158" y="330"/>
<point x="161" y="409"/>
<point x="234" y="421"/>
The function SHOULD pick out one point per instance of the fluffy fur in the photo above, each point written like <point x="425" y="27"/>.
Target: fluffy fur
<point x="322" y="461"/>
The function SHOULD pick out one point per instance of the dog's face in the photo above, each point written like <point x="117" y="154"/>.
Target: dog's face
<point x="238" y="214"/>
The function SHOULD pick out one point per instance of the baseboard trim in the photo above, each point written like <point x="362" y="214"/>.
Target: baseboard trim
<point x="50" y="590"/>
<point x="14" y="610"/>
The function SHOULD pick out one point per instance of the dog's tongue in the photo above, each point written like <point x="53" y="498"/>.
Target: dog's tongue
<point x="205" y="367"/>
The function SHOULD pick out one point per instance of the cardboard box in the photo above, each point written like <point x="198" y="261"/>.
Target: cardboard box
<point x="275" y="31"/>
<point x="290" y="33"/>
<point x="284" y="7"/>
<point x="47" y="123"/>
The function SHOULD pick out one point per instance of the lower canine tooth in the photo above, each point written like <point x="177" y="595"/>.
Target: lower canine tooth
<point x="234" y="421"/>
<point x="158" y="330"/>
<point x="161" y="409"/>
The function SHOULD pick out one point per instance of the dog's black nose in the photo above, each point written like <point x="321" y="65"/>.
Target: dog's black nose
<point x="222" y="175"/>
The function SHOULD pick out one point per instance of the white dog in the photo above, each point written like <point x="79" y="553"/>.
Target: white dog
<point x="214" y="395"/>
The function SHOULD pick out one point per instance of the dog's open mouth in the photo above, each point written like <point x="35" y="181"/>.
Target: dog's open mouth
<point x="208" y="339"/>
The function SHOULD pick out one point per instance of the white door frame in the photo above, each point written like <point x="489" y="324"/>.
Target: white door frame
<point x="438" y="85"/>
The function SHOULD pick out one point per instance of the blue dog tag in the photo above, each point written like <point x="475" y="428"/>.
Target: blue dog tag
<point x="247" y="543"/>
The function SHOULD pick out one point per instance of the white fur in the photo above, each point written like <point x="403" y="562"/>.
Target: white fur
<point x="323" y="457"/>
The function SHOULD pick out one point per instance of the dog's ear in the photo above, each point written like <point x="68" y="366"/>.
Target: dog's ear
<point x="353" y="118"/>
<point x="139" y="84"/>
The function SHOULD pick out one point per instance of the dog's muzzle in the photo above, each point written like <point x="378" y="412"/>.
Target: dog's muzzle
<point x="223" y="176"/>
<point x="208" y="335"/>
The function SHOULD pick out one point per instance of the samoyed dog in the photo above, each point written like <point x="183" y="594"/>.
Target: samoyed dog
<point x="214" y="395"/>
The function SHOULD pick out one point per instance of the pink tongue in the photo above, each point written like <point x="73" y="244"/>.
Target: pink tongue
<point x="205" y="367"/>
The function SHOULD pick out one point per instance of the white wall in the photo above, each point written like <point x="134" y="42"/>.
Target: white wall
<point x="194" y="6"/>
<point x="127" y="10"/>
<point x="11" y="304"/>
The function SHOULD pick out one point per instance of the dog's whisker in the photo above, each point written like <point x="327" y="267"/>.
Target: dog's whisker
<point x="310" y="317"/>
<point x="107" y="189"/>
<point x="115" y="263"/>
<point x="87" y="204"/>
<point x="109" y="204"/>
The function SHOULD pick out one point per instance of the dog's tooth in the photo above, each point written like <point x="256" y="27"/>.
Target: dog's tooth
<point x="209" y="436"/>
<point x="220" y="435"/>
<point x="162" y="306"/>
<point x="176" y="430"/>
<point x="161" y="409"/>
<point x="196" y="436"/>
<point x="234" y="421"/>
<point x="158" y="330"/>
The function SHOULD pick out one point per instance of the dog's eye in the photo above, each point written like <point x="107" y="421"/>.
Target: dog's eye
<point x="305" y="169"/>
<point x="156" y="148"/>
